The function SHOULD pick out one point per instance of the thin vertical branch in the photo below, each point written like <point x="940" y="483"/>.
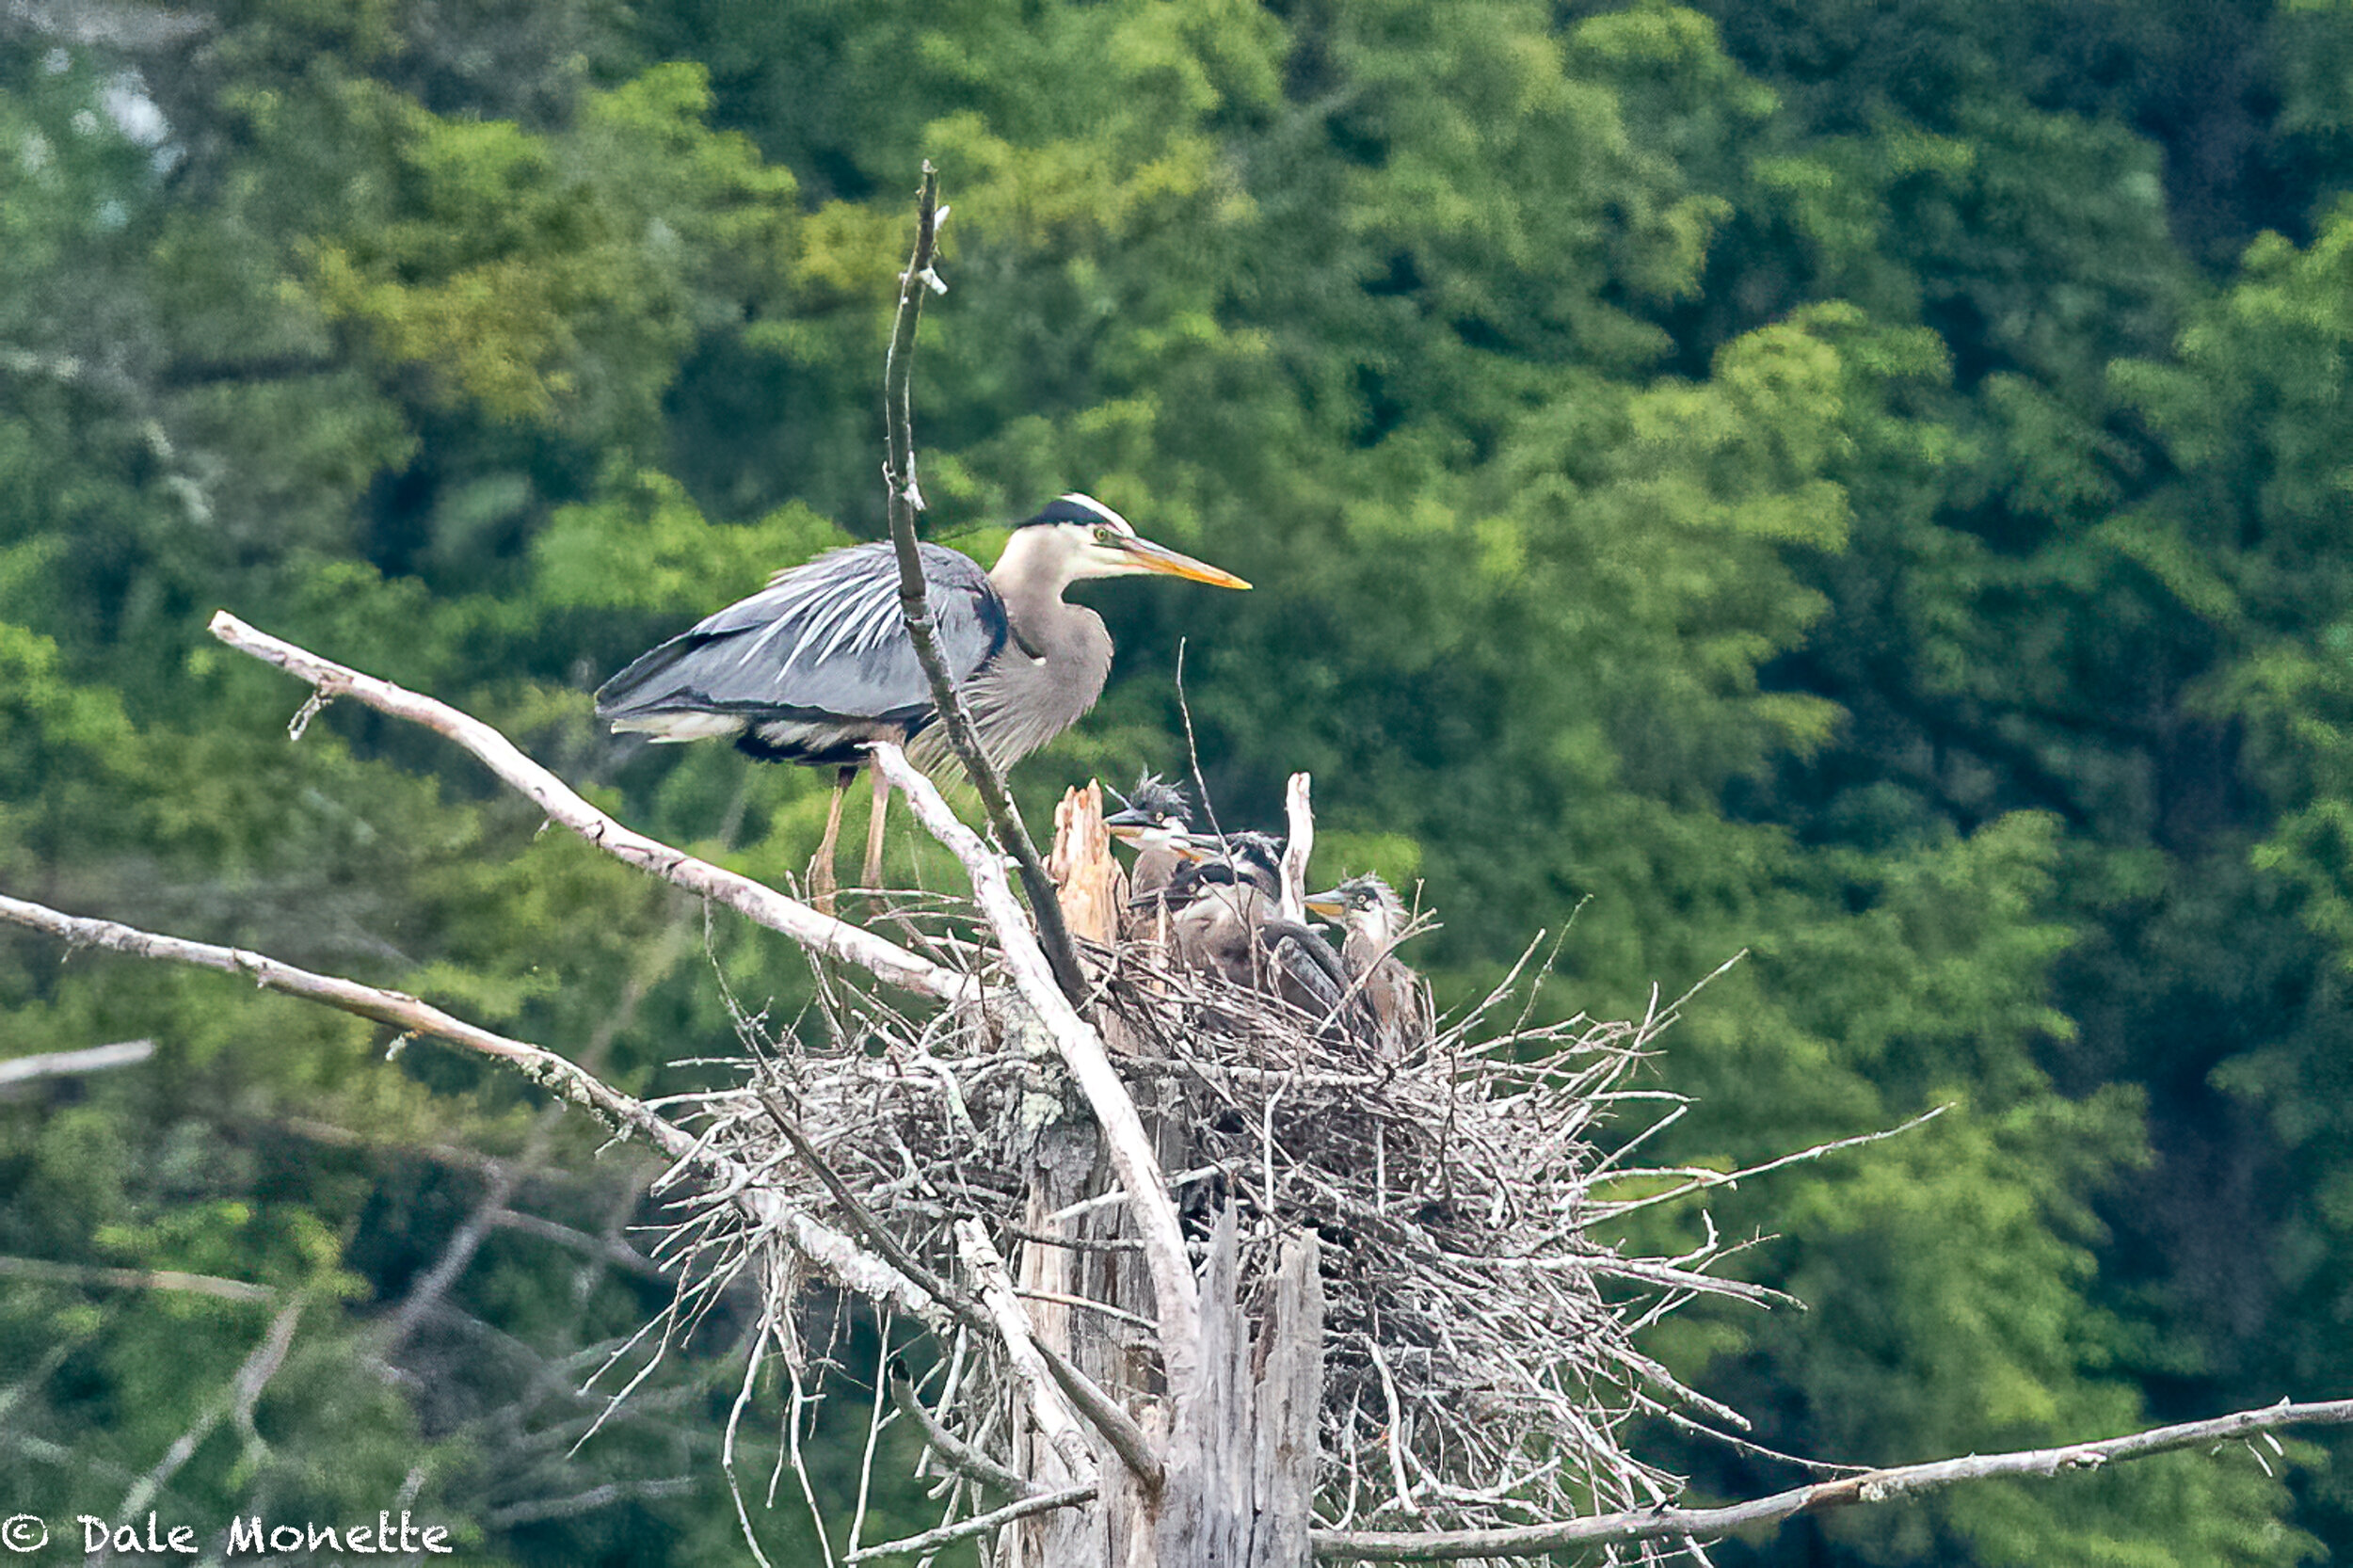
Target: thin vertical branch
<point x="243" y="1392"/>
<point x="873" y="1434"/>
<point x="906" y="500"/>
<point x="1299" y="845"/>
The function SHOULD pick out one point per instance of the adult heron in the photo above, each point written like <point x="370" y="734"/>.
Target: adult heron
<point x="1373" y="918"/>
<point x="818" y="665"/>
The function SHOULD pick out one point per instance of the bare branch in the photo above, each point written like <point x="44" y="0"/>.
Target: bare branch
<point x="111" y="25"/>
<point x="1048" y="1406"/>
<point x="1044" y="1502"/>
<point x="906" y="500"/>
<point x="395" y="1008"/>
<point x="1084" y="1304"/>
<point x="91" y="1274"/>
<point x="873" y="1434"/>
<point x="765" y="905"/>
<point x="236" y="1399"/>
<point x="449" y="1155"/>
<point x="586" y="1502"/>
<point x="62" y="1063"/>
<point x="457" y="1254"/>
<point x="960" y="1456"/>
<point x="1100" y="1409"/>
<point x="841" y="1260"/>
<point x="602" y="1248"/>
<point x="1176" y="1298"/>
<point x="878" y="1235"/>
<point x="1875" y="1487"/>
<point x="1700" y="1180"/>
<point x="1103" y="1412"/>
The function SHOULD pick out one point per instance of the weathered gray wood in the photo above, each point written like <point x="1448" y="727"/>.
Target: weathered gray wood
<point x="1243" y="1461"/>
<point x="1238" y="1481"/>
<point x="1290" y="1404"/>
<point x="1197" y="1508"/>
<point x="1063" y="1156"/>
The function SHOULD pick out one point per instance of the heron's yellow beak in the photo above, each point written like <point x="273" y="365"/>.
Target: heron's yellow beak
<point x="1327" y="904"/>
<point x="1149" y="556"/>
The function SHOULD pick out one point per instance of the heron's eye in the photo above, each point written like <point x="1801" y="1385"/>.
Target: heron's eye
<point x="1104" y="535"/>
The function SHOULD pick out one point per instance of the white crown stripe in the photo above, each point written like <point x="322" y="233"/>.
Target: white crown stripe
<point x="1078" y="498"/>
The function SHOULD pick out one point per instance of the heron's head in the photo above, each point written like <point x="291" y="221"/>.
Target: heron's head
<point x="1364" y="904"/>
<point x="1240" y="860"/>
<point x="1154" y="812"/>
<point x="1252" y="859"/>
<point x="1077" y="537"/>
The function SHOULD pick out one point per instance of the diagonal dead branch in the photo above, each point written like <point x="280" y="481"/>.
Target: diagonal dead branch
<point x="1876" y="1486"/>
<point x="1098" y="1408"/>
<point x="878" y="1235"/>
<point x="90" y="1275"/>
<point x="1049" y="1407"/>
<point x="395" y="1008"/>
<point x="586" y="1502"/>
<point x="237" y="1399"/>
<point x="1103" y="1413"/>
<point x="601" y="1249"/>
<point x="1044" y="1502"/>
<point x="765" y="905"/>
<point x="62" y="1063"/>
<point x="841" y="1260"/>
<point x="1177" y="1297"/>
<point x="457" y="1254"/>
<point x="960" y="1456"/>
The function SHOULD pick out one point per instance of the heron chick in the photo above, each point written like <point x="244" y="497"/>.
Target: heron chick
<point x="818" y="665"/>
<point x="1224" y="918"/>
<point x="1373" y="918"/>
<point x="1154" y="819"/>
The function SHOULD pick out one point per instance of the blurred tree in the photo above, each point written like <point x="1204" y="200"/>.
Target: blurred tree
<point x="1824" y="487"/>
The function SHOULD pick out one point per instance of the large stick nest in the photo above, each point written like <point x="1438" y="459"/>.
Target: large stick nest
<point x="1481" y="1358"/>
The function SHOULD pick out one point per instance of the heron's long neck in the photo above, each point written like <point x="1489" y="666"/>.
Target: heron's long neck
<point x="1051" y="673"/>
<point x="1156" y="862"/>
<point x="1033" y="603"/>
<point x="1369" y="936"/>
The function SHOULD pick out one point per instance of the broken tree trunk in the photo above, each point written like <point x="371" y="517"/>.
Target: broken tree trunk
<point x="1239" y="1485"/>
<point x="1241" y="1467"/>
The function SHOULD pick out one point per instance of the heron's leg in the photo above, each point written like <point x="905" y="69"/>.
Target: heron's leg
<point x="875" y="831"/>
<point x="820" y="870"/>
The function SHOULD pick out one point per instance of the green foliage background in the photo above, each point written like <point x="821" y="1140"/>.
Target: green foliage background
<point x="1860" y="483"/>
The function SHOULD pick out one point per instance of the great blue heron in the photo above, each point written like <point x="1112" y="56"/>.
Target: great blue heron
<point x="1373" y="918"/>
<point x="1224" y="918"/>
<point x="818" y="664"/>
<point x="1154" y="819"/>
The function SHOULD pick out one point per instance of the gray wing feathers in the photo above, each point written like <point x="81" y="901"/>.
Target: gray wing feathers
<point x="822" y="640"/>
